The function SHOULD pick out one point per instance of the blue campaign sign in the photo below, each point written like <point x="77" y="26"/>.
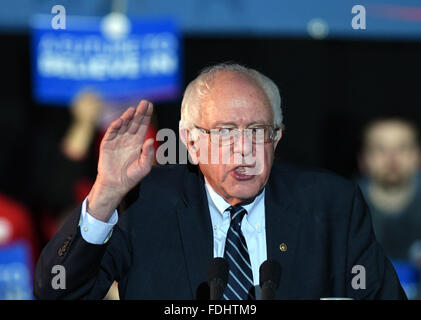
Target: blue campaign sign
<point x="409" y="277"/>
<point x="120" y="59"/>
<point x="15" y="271"/>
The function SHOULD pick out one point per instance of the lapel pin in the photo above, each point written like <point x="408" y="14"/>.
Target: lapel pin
<point x="283" y="247"/>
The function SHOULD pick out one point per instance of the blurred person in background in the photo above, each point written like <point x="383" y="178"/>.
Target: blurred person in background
<point x="65" y="160"/>
<point x="390" y="163"/>
<point x="62" y="160"/>
<point x="16" y="224"/>
<point x="18" y="249"/>
<point x="19" y="243"/>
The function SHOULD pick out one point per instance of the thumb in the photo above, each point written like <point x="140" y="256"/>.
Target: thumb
<point x="148" y="152"/>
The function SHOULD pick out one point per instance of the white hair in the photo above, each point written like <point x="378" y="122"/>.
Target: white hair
<point x="201" y="86"/>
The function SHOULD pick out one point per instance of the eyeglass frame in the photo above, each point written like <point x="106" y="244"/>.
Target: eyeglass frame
<point x="272" y="137"/>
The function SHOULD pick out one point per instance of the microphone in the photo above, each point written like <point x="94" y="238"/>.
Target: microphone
<point x="270" y="276"/>
<point x="217" y="277"/>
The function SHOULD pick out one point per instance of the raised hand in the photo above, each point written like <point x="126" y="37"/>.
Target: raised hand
<point x="124" y="160"/>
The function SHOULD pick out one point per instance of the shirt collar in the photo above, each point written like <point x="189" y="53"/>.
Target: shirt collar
<point x="221" y="205"/>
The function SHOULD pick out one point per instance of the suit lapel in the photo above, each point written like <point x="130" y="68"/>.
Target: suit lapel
<point x="196" y="231"/>
<point x="282" y="229"/>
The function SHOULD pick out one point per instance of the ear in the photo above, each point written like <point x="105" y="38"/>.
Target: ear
<point x="278" y="138"/>
<point x="188" y="139"/>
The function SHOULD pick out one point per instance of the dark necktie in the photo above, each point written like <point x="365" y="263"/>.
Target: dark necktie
<point x="240" y="279"/>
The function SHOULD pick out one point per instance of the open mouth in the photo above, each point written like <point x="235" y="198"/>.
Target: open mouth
<point x="243" y="172"/>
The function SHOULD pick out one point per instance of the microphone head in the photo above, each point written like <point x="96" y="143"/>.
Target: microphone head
<point x="270" y="270"/>
<point x="218" y="269"/>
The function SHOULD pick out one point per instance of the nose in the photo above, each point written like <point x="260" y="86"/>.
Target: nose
<point x="243" y="144"/>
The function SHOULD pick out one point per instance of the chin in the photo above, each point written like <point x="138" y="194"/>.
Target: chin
<point x="244" y="192"/>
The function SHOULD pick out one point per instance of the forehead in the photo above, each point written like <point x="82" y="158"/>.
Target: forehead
<point x="235" y="98"/>
<point x="390" y="132"/>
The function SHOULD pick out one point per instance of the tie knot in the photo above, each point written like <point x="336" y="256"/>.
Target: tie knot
<point x="237" y="213"/>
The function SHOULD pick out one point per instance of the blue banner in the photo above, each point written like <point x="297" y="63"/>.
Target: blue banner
<point x="119" y="61"/>
<point x="15" y="271"/>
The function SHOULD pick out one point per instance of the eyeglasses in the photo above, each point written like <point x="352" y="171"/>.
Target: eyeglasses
<point x="226" y="136"/>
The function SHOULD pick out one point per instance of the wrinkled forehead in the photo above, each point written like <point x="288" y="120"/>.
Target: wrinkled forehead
<point x="235" y="97"/>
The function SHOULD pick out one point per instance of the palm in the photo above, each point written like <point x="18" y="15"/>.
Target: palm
<point x="125" y="158"/>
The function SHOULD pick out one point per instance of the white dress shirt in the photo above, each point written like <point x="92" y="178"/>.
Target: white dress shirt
<point x="93" y="230"/>
<point x="253" y="227"/>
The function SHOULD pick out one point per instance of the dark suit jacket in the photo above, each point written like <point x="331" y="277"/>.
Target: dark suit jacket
<point x="163" y="241"/>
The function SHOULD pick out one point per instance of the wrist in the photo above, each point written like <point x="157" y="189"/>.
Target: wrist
<point x="102" y="202"/>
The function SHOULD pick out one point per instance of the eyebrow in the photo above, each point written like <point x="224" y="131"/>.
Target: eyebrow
<point x="228" y="123"/>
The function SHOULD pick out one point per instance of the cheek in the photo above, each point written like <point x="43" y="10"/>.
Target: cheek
<point x="375" y="161"/>
<point x="269" y="156"/>
<point x="409" y="163"/>
<point x="216" y="172"/>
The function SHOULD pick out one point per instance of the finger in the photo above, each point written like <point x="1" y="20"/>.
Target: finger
<point x="143" y="110"/>
<point x="144" y="124"/>
<point x="126" y="117"/>
<point x="148" y="153"/>
<point x="113" y="129"/>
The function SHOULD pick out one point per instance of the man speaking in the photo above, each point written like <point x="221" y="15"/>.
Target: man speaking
<point x="155" y="229"/>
